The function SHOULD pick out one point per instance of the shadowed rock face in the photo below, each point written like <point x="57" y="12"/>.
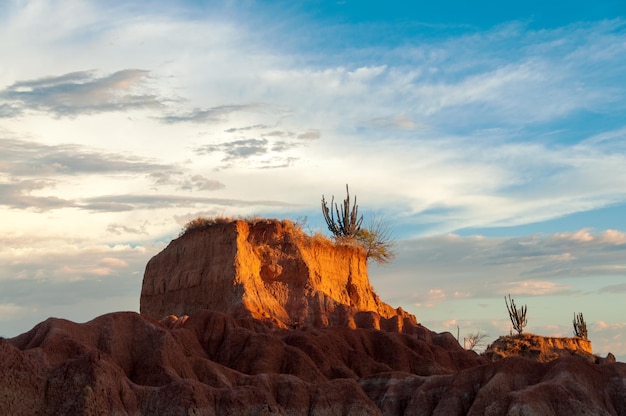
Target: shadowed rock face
<point x="212" y="364"/>
<point x="268" y="270"/>
<point x="274" y="323"/>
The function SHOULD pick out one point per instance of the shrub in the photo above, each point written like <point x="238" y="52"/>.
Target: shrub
<point x="474" y="339"/>
<point x="378" y="241"/>
<point x="201" y="223"/>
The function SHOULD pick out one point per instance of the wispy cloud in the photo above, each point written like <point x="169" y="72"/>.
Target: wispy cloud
<point x="84" y="92"/>
<point x="477" y="267"/>
<point x="263" y="153"/>
<point x="32" y="171"/>
<point x="618" y="289"/>
<point x="41" y="279"/>
<point x="34" y="159"/>
<point x="536" y="288"/>
<point x="185" y="182"/>
<point x="11" y="311"/>
<point x="17" y="194"/>
<point x="238" y="149"/>
<point x="118" y="229"/>
<point x="212" y="115"/>
<point x="131" y="202"/>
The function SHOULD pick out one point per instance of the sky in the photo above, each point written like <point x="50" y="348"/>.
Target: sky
<point x="490" y="137"/>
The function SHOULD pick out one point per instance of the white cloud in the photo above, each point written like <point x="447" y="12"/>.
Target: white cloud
<point x="113" y="262"/>
<point x="430" y="299"/>
<point x="10" y="311"/>
<point x="535" y="288"/>
<point x="104" y="116"/>
<point x="81" y="93"/>
<point x="610" y="336"/>
<point x="438" y="268"/>
<point x="478" y="178"/>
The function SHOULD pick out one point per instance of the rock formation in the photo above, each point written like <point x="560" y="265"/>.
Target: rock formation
<point x="539" y="348"/>
<point x="273" y="323"/>
<point x="209" y="363"/>
<point x="268" y="270"/>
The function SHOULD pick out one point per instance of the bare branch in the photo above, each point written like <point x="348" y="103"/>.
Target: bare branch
<point x="473" y="340"/>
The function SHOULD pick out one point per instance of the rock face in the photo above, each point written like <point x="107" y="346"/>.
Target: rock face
<point x="539" y="348"/>
<point x="212" y="364"/>
<point x="277" y="324"/>
<point x="268" y="270"/>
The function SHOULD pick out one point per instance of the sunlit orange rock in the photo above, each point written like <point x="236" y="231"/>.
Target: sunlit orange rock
<point x="254" y="318"/>
<point x="539" y="348"/>
<point x="268" y="270"/>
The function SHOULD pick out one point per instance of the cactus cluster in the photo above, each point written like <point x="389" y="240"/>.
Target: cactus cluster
<point x="348" y="222"/>
<point x="580" y="326"/>
<point x="518" y="316"/>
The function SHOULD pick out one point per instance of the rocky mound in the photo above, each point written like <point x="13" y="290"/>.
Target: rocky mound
<point x="212" y="364"/>
<point x="268" y="270"/>
<point x="539" y="348"/>
<point x="273" y="322"/>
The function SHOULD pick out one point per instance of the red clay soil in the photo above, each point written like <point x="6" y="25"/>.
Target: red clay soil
<point x="212" y="364"/>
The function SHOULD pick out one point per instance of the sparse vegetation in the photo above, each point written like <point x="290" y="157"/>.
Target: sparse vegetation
<point x="580" y="326"/>
<point x="201" y="223"/>
<point x="377" y="239"/>
<point x="296" y="228"/>
<point x="474" y="339"/>
<point x="518" y="316"/>
<point x="348" y="223"/>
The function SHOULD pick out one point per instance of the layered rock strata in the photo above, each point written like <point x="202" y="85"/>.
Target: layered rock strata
<point x="209" y="363"/>
<point x="268" y="270"/>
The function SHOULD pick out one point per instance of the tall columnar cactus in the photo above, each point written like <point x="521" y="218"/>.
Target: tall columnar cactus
<point x="348" y="222"/>
<point x="518" y="316"/>
<point x="580" y="326"/>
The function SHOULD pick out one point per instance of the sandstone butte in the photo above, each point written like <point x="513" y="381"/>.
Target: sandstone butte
<point x="268" y="270"/>
<point x="324" y="345"/>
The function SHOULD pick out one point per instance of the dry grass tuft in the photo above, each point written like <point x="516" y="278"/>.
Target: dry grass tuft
<point x="295" y="229"/>
<point x="202" y="223"/>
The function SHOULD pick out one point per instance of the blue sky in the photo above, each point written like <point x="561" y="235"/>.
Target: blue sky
<point x="491" y="137"/>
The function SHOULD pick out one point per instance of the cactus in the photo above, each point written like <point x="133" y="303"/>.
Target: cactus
<point x="518" y="316"/>
<point x="348" y="222"/>
<point x="580" y="326"/>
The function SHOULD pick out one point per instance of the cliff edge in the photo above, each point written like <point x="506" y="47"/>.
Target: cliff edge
<point x="268" y="270"/>
<point x="274" y="322"/>
<point x="540" y="348"/>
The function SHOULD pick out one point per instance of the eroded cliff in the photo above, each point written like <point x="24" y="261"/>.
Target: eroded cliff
<point x="268" y="270"/>
<point x="209" y="363"/>
<point x="539" y="348"/>
<point x="259" y="319"/>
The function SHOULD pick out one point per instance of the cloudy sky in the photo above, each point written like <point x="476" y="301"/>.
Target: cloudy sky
<point x="493" y="140"/>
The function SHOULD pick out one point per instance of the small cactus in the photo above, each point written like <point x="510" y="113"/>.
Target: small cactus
<point x="580" y="326"/>
<point x="348" y="222"/>
<point x="518" y="316"/>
